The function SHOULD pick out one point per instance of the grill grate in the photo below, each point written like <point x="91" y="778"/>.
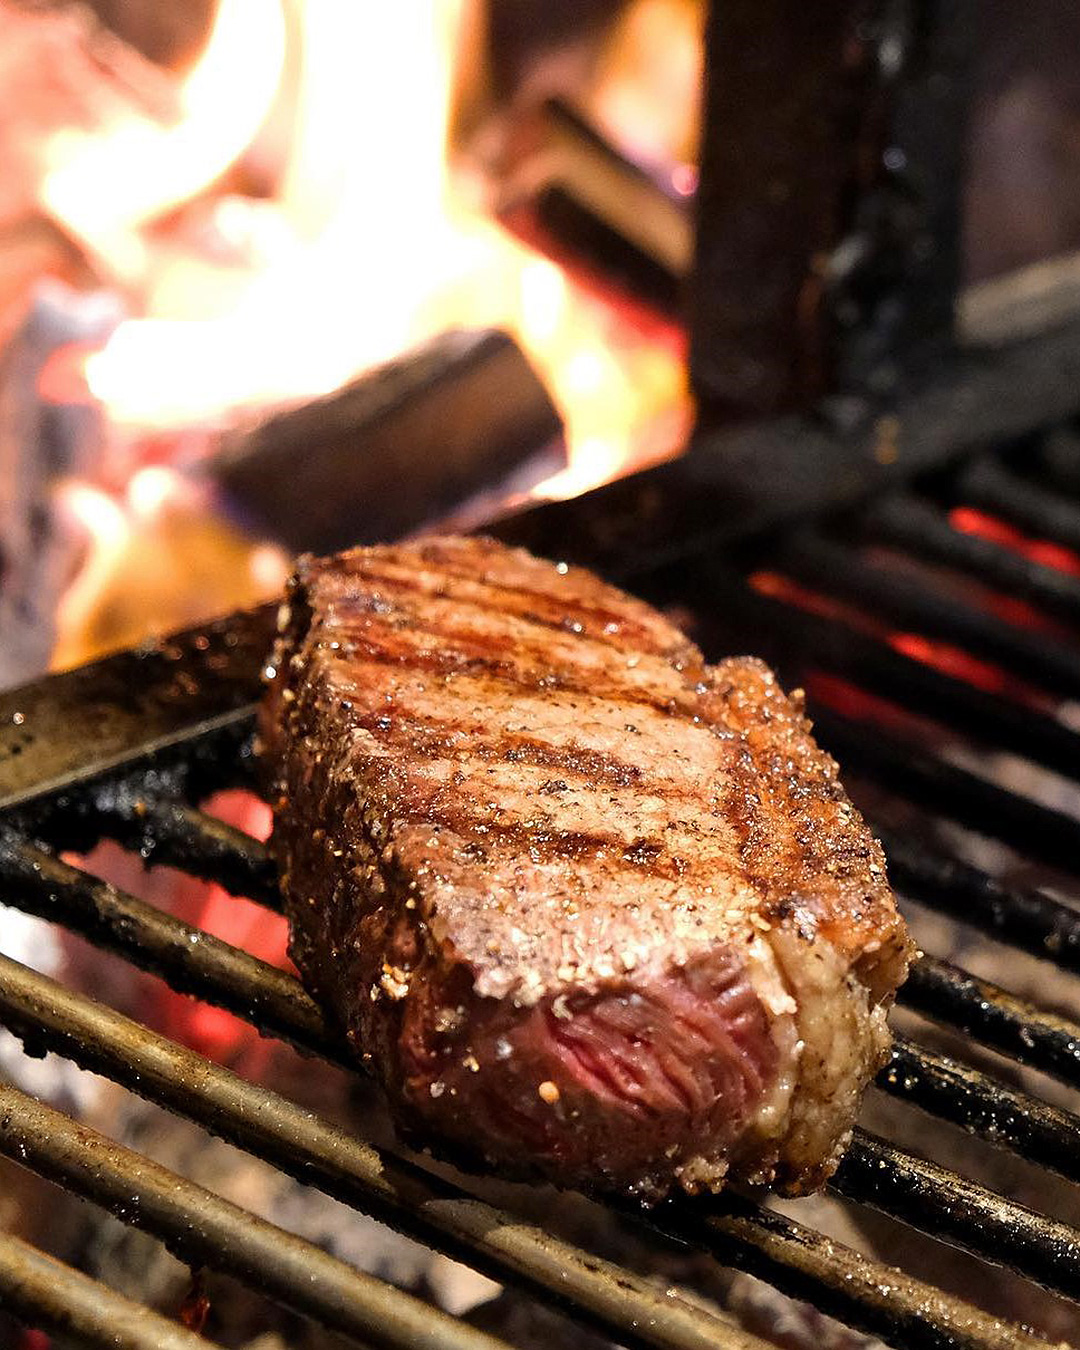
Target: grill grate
<point x="125" y="750"/>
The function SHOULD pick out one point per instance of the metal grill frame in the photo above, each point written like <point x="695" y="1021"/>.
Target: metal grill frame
<point x="128" y="747"/>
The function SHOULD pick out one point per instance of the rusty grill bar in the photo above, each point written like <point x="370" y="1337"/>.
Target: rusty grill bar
<point x="139" y="780"/>
<point x="61" y="1300"/>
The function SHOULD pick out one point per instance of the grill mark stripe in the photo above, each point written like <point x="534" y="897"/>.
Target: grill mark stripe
<point x="457" y="662"/>
<point x="520" y="838"/>
<point x="435" y="625"/>
<point x="432" y="626"/>
<point x="636" y="857"/>
<point x="639" y="636"/>
<point x="574" y="763"/>
<point x="429" y="738"/>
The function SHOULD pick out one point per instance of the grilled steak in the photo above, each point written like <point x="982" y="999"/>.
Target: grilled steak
<point x="590" y="907"/>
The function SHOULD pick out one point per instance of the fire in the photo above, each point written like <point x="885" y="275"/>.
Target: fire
<point x="372" y="247"/>
<point x="371" y="243"/>
<point x="344" y="265"/>
<point x="104" y="183"/>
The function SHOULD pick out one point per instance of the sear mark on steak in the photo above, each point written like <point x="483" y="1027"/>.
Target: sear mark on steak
<point x="590" y="908"/>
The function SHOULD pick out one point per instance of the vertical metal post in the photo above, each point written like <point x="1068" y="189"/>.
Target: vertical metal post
<point x="828" y="247"/>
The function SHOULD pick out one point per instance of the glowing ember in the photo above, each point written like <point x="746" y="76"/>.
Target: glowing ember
<point x="1042" y="551"/>
<point x="832" y="691"/>
<point x="955" y="661"/>
<point x="943" y="656"/>
<point x="779" y="587"/>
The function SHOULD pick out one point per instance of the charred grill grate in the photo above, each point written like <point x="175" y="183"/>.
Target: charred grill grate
<point x="128" y="748"/>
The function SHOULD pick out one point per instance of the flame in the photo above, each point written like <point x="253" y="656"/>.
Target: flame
<point x="370" y="246"/>
<point x="104" y="183"/>
<point x="104" y="527"/>
<point x="373" y="249"/>
<point x="157" y="559"/>
<point x="365" y="242"/>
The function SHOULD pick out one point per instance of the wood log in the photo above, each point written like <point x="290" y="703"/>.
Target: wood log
<point x="402" y="447"/>
<point x="568" y="191"/>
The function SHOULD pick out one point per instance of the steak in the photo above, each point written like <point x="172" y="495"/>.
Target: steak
<point x="590" y="908"/>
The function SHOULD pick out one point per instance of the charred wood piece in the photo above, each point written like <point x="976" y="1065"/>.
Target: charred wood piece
<point x="569" y="192"/>
<point x="403" y="447"/>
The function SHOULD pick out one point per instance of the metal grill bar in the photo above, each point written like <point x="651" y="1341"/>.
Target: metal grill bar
<point x="152" y="819"/>
<point x="1028" y="919"/>
<point x="933" y="1199"/>
<point x="193" y="962"/>
<point x="995" y="1017"/>
<point x="863" y="1293"/>
<point x="838" y="569"/>
<point x="999" y="1114"/>
<point x="176" y="835"/>
<point x="318" y="1153"/>
<point x="726" y="487"/>
<point x="806" y="641"/>
<point x="919" y="527"/>
<point x="204" y="969"/>
<point x="985" y="482"/>
<point x="1038" y="831"/>
<point x="99" y="718"/>
<point x="51" y="1296"/>
<point x="203" y="1229"/>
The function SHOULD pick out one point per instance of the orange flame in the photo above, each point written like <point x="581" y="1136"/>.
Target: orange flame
<point x="373" y="249"/>
<point x="370" y="246"/>
<point x="104" y="183"/>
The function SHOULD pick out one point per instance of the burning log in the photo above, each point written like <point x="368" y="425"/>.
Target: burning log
<point x="397" y="449"/>
<point x="568" y="191"/>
